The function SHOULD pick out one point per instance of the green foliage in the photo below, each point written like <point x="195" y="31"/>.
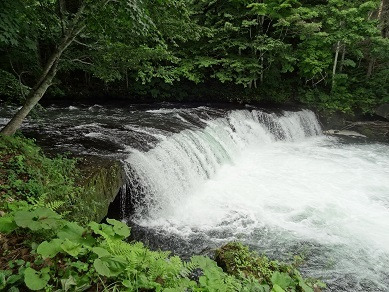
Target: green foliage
<point x="238" y="260"/>
<point x="10" y="87"/>
<point x="27" y="174"/>
<point x="82" y="258"/>
<point x="276" y="50"/>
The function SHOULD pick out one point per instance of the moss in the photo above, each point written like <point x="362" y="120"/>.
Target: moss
<point x="101" y="180"/>
<point x="236" y="259"/>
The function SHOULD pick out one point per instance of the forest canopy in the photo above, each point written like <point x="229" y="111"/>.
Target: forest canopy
<point x="330" y="54"/>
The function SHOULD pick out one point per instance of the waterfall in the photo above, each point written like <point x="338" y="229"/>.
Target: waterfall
<point x="201" y="176"/>
<point x="180" y="162"/>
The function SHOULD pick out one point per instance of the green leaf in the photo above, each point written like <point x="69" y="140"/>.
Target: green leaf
<point x="27" y="219"/>
<point x="76" y="233"/>
<point x="50" y="249"/>
<point x="110" y="267"/>
<point x="67" y="284"/>
<point x="101" y="268"/>
<point x="41" y="218"/>
<point x="7" y="224"/>
<point x="72" y="248"/>
<point x="101" y="252"/>
<point x="305" y="287"/>
<point x="277" y="288"/>
<point x="281" y="279"/>
<point x="120" y="228"/>
<point x="35" y="280"/>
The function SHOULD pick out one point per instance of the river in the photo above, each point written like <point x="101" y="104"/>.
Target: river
<point x="199" y="176"/>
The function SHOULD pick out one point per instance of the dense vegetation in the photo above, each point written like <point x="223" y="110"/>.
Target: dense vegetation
<point x="331" y="54"/>
<point x="46" y="246"/>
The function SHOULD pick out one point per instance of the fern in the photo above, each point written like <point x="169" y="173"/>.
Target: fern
<point x="55" y="205"/>
<point x="188" y="268"/>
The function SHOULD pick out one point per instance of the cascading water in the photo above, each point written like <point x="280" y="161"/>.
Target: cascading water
<point x="201" y="176"/>
<point x="274" y="182"/>
<point x="162" y="176"/>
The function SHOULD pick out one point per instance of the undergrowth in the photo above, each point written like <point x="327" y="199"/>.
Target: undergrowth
<point x="43" y="248"/>
<point x="26" y="174"/>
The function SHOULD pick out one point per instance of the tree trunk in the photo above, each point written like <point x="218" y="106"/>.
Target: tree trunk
<point x="342" y="59"/>
<point x="370" y="68"/>
<point x="48" y="73"/>
<point x="382" y="10"/>
<point x="262" y="65"/>
<point x="335" y="63"/>
<point x="33" y="98"/>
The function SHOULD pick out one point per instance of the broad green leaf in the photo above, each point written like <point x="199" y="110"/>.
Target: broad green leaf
<point x="50" y="249"/>
<point x="120" y="228"/>
<point x="68" y="283"/>
<point x="110" y="267"/>
<point x="281" y="279"/>
<point x="101" y="268"/>
<point x="41" y="218"/>
<point x="7" y="224"/>
<point x="35" y="280"/>
<point x="27" y="219"/>
<point x="101" y="252"/>
<point x="71" y="248"/>
<point x="76" y="233"/>
<point x="305" y="287"/>
<point x="277" y="288"/>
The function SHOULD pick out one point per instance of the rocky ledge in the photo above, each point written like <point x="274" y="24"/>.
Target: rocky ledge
<point x="102" y="179"/>
<point x="375" y="129"/>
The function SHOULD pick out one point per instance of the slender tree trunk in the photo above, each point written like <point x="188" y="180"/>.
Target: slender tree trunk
<point x="380" y="17"/>
<point x="370" y="68"/>
<point x="262" y="68"/>
<point x="335" y="63"/>
<point x="48" y="73"/>
<point x="342" y="59"/>
<point x="33" y="98"/>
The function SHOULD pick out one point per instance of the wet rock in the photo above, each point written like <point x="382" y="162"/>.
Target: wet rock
<point x="369" y="127"/>
<point x="375" y="130"/>
<point x="383" y="111"/>
<point x="101" y="179"/>
<point x="344" y="133"/>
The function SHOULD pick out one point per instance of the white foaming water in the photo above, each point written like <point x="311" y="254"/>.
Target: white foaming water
<point x="276" y="183"/>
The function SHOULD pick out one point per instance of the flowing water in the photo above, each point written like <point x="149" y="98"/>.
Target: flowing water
<point x="201" y="176"/>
